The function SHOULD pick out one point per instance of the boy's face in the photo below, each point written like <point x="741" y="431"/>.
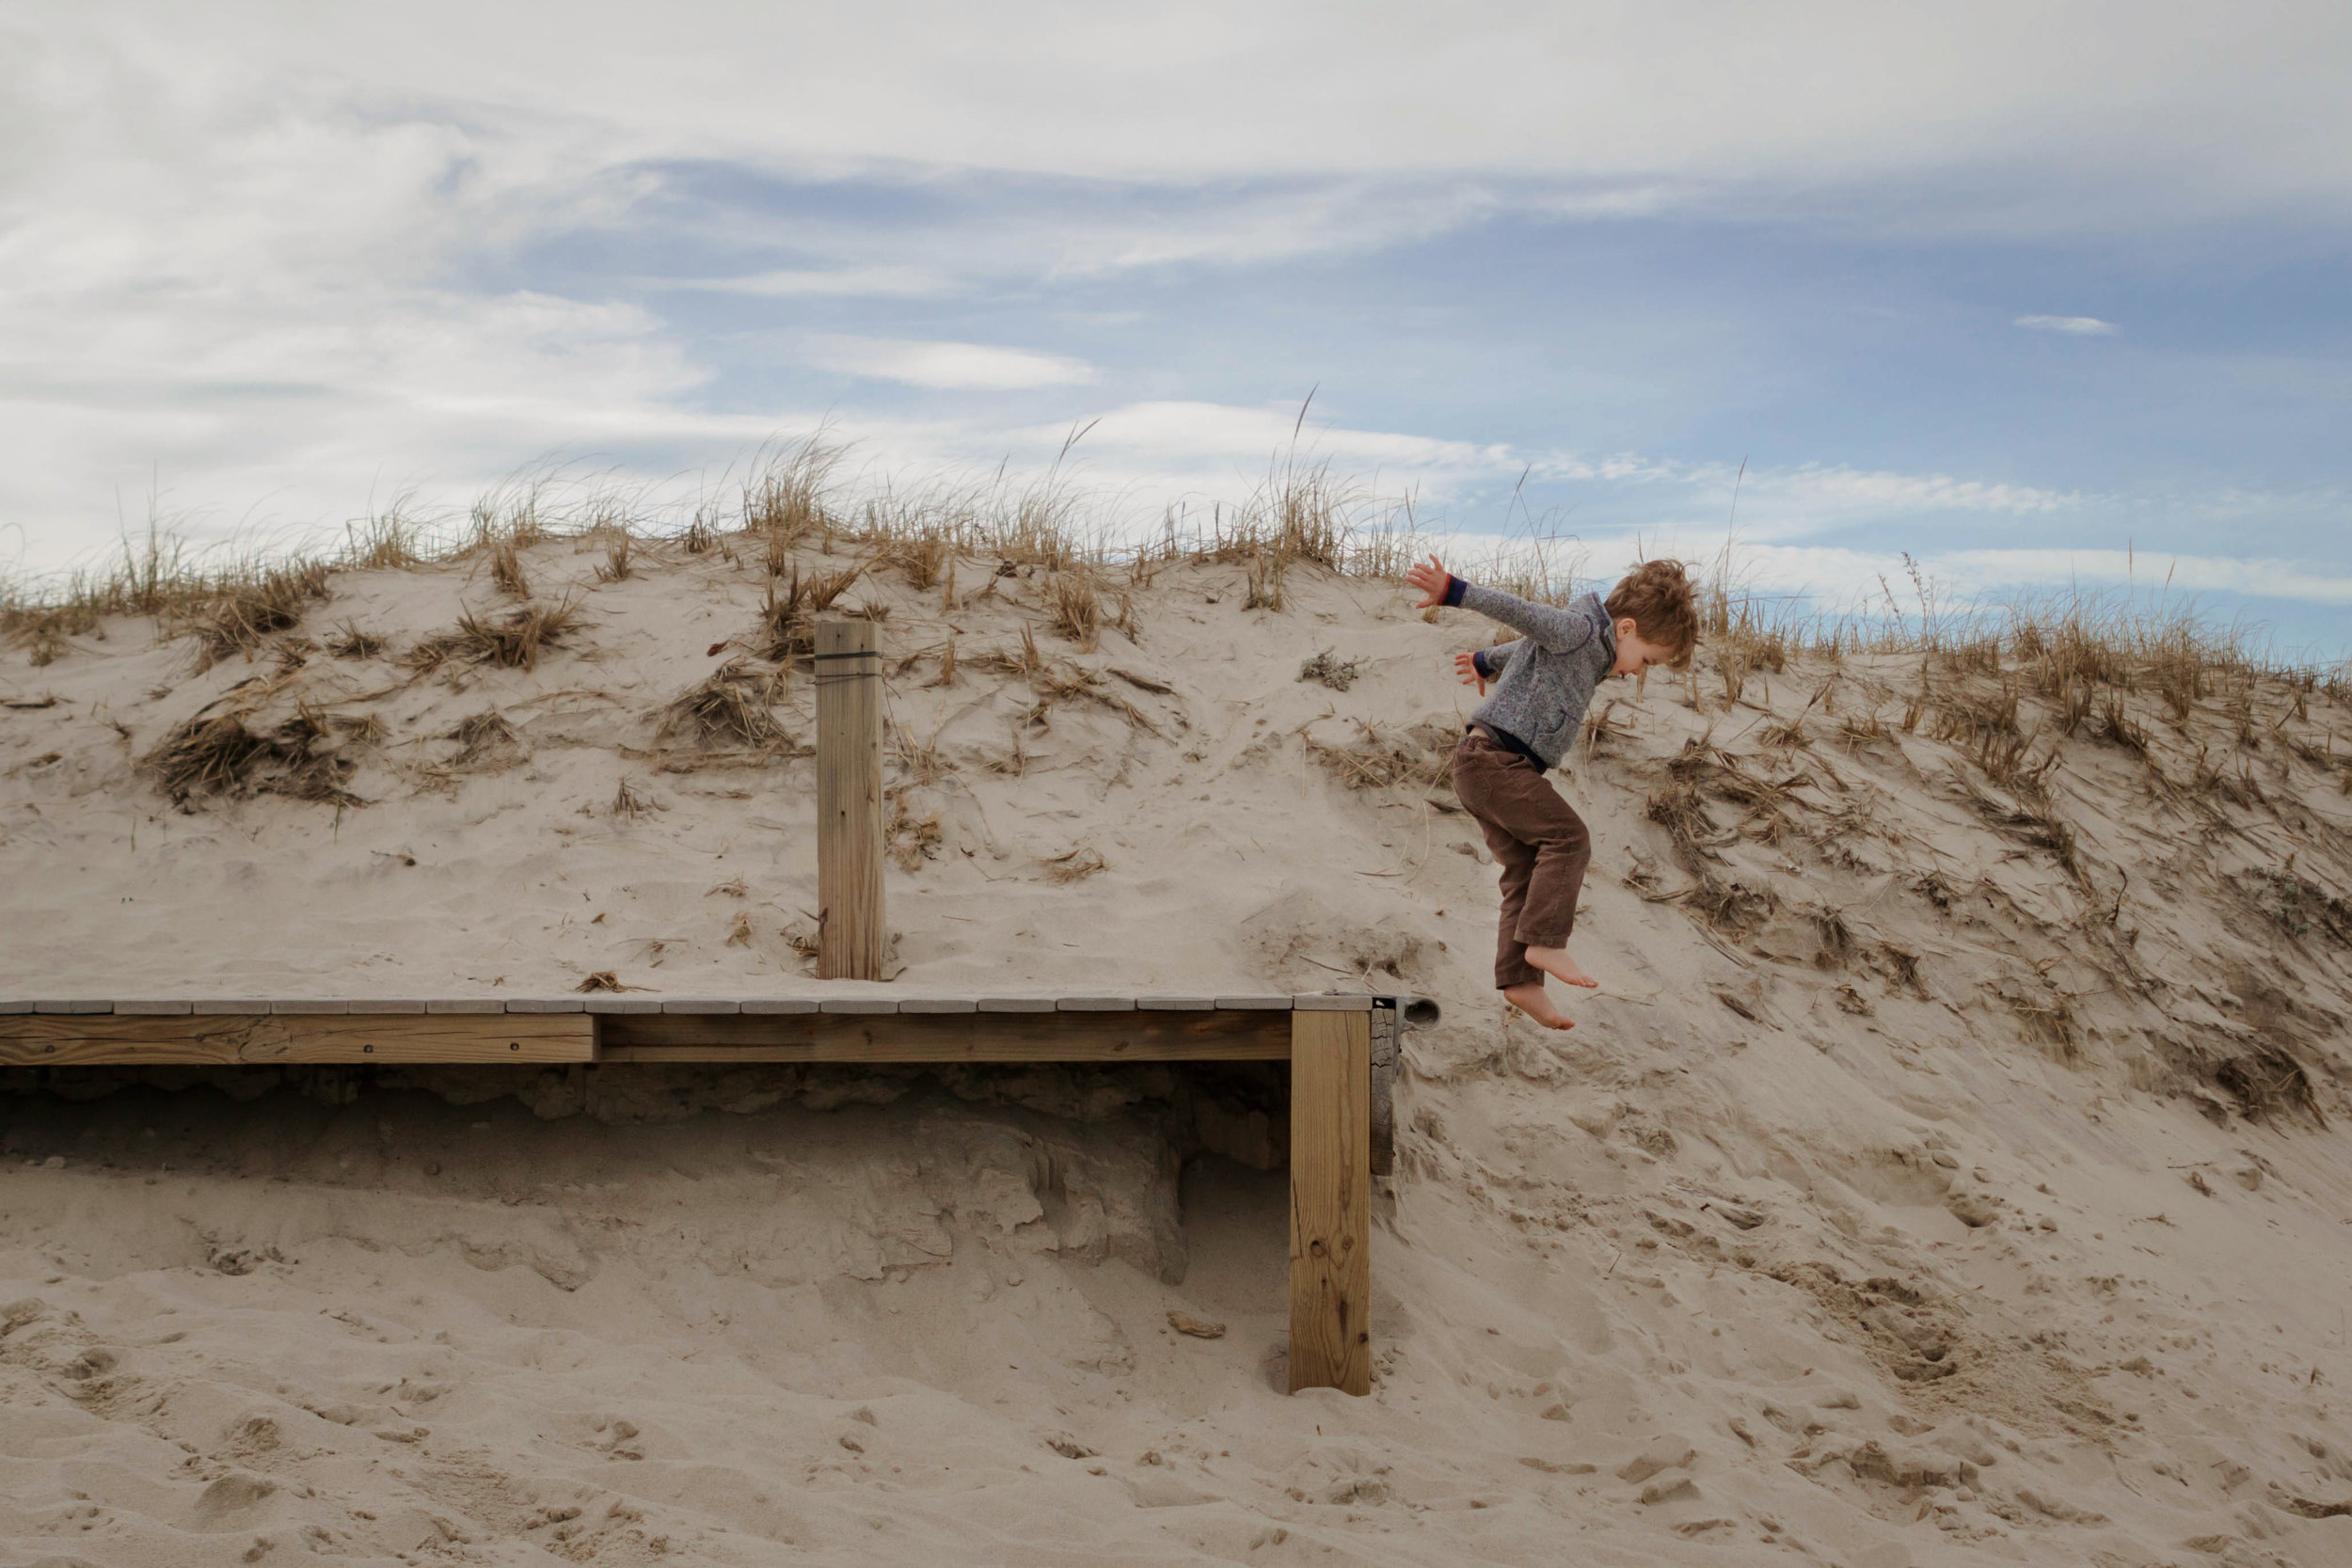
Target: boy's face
<point x="1634" y="655"/>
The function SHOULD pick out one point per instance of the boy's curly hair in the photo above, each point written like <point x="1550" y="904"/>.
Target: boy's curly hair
<point x="1664" y="607"/>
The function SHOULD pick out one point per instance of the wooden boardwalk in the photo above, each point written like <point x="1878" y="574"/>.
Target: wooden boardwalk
<point x="1341" y="1049"/>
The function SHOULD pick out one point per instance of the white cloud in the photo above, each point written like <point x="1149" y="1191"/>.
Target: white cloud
<point x="1001" y="227"/>
<point x="2196" y="113"/>
<point x="2153" y="571"/>
<point x="2079" y="327"/>
<point x="958" y="367"/>
<point x="1851" y="489"/>
<point x="1253" y="227"/>
<point x="877" y="282"/>
<point x="1843" y="578"/>
<point x="1772" y="503"/>
<point x="1254" y="435"/>
<point x="1814" y="499"/>
<point x="254" y="303"/>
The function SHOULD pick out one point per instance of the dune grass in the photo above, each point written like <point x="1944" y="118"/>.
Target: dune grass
<point x="2107" y="665"/>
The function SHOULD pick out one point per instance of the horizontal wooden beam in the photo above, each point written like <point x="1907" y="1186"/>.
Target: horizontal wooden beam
<point x="1055" y="1036"/>
<point x="66" y="1039"/>
<point x="1412" y="1010"/>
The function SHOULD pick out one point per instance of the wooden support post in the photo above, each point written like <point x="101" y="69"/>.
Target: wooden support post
<point x="1331" y="1201"/>
<point x="849" y="802"/>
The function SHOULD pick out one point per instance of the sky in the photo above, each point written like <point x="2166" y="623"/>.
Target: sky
<point x="2041" y="296"/>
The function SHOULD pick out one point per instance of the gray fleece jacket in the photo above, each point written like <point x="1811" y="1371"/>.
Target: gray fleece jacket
<point x="1544" y="681"/>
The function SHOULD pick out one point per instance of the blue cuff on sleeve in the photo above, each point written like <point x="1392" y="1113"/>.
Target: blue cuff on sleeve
<point x="1478" y="662"/>
<point x="1453" y="587"/>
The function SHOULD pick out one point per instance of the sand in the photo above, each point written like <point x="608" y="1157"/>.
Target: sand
<point x="1946" y="1172"/>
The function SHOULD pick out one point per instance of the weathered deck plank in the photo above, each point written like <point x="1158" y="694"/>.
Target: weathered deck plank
<point x="974" y="1036"/>
<point x="53" y="1040"/>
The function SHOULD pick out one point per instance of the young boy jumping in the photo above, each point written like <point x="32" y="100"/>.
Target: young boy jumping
<point x="1544" y="681"/>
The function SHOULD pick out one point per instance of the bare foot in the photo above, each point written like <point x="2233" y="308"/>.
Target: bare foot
<point x="1532" y="1000"/>
<point x="1555" y="962"/>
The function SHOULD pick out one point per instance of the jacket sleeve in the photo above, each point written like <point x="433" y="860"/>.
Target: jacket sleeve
<point x="1561" y="630"/>
<point x="1490" y="662"/>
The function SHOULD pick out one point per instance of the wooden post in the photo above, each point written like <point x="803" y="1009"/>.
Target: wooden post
<point x="849" y="802"/>
<point x="1331" y="1201"/>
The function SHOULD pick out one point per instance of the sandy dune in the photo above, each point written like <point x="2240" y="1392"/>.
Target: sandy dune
<point x="1951" y="1170"/>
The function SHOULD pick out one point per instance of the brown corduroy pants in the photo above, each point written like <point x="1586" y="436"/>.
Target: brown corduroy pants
<point x="1541" y="844"/>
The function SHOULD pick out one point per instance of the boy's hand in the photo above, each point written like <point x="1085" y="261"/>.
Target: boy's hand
<point x="1466" y="666"/>
<point x="1432" y="579"/>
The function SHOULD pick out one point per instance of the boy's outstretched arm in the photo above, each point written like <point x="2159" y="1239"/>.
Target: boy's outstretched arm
<point x="1491" y="662"/>
<point x="1563" y="631"/>
<point x="1482" y="665"/>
